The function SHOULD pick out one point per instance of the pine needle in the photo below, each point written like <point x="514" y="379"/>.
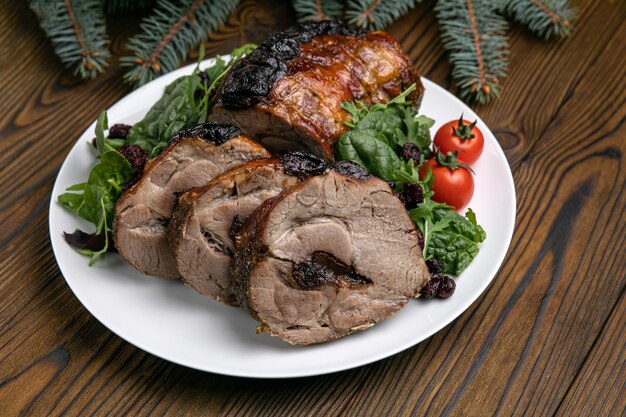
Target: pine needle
<point x="117" y="7"/>
<point x="316" y="10"/>
<point x="376" y="14"/>
<point x="168" y="34"/>
<point x="546" y="18"/>
<point x="77" y="31"/>
<point x="475" y="36"/>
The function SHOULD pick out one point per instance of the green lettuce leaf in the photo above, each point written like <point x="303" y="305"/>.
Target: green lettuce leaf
<point x="457" y="243"/>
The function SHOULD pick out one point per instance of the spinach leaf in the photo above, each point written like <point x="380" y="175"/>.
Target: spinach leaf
<point x="378" y="134"/>
<point x="371" y="153"/>
<point x="175" y="110"/>
<point x="375" y="140"/>
<point x="185" y="102"/>
<point x="456" y="243"/>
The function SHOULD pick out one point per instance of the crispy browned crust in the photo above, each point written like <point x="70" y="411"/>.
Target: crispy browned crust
<point x="249" y="251"/>
<point x="327" y="59"/>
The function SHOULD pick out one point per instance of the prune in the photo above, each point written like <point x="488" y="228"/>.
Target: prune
<point x="119" y="131"/>
<point x="440" y="286"/>
<point x="137" y="158"/>
<point x="446" y="287"/>
<point x="413" y="194"/>
<point x="434" y="266"/>
<point x="411" y="151"/>
<point x="302" y="164"/>
<point x="431" y="288"/>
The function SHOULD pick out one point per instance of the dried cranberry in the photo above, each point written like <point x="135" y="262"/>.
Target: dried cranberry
<point x="411" y="151"/>
<point x="434" y="266"/>
<point x="431" y="288"/>
<point x="446" y="287"/>
<point x="137" y="158"/>
<point x="119" y="131"/>
<point x="413" y="194"/>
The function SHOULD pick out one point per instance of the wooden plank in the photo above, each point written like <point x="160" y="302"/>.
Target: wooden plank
<point x="463" y="370"/>
<point x="533" y="329"/>
<point x="600" y="387"/>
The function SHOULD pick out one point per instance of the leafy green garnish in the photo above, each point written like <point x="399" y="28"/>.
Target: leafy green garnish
<point x="95" y="199"/>
<point x="393" y="123"/>
<point x="176" y="109"/>
<point x="186" y="102"/>
<point x="375" y="141"/>
<point x="454" y="239"/>
<point x="182" y="105"/>
<point x="379" y="133"/>
<point x="373" y="154"/>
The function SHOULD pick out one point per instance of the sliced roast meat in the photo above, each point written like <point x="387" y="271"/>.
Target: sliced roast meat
<point x="192" y="158"/>
<point x="288" y="92"/>
<point x="329" y="256"/>
<point x="206" y="219"/>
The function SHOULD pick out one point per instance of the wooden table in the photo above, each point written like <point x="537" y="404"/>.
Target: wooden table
<point x="546" y="338"/>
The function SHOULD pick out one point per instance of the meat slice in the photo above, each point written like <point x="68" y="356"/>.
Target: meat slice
<point x="288" y="92"/>
<point x="332" y="255"/>
<point x="192" y="158"/>
<point x="206" y="219"/>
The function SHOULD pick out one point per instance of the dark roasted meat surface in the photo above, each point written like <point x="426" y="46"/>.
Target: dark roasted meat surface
<point x="288" y="92"/>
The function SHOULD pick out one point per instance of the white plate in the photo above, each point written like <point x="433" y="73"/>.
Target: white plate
<point x="173" y="322"/>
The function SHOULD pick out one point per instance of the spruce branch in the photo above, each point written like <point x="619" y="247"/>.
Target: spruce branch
<point x="547" y="18"/>
<point x="169" y="32"/>
<point x="376" y="14"/>
<point x="77" y="31"/>
<point x="117" y="7"/>
<point x="475" y="36"/>
<point x="316" y="10"/>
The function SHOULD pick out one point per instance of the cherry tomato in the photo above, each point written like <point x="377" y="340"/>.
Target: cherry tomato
<point x="463" y="136"/>
<point x="451" y="186"/>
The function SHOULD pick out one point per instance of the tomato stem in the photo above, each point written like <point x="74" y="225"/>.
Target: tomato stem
<point x="464" y="131"/>
<point x="450" y="160"/>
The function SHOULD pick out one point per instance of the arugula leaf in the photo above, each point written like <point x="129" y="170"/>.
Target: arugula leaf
<point x="101" y="126"/>
<point x="418" y="129"/>
<point x="95" y="199"/>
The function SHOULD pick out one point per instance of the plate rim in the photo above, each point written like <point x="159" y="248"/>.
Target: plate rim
<point x="460" y="308"/>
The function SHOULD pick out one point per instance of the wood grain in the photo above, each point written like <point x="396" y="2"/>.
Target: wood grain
<point x="547" y="337"/>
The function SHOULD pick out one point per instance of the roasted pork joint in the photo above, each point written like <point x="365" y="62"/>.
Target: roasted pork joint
<point x="329" y="256"/>
<point x="288" y="92"/>
<point x="207" y="218"/>
<point x="192" y="158"/>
